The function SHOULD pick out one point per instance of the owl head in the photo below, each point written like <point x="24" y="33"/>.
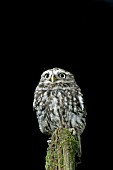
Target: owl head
<point x="56" y="75"/>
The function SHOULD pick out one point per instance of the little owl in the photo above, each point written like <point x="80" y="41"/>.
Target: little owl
<point x="58" y="102"/>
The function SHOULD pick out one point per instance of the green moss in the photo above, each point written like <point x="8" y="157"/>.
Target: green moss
<point x="60" y="139"/>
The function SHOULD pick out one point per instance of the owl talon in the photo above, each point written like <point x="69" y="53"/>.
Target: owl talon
<point x="49" y="142"/>
<point x="73" y="131"/>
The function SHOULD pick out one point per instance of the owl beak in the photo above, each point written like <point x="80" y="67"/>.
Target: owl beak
<point x="53" y="78"/>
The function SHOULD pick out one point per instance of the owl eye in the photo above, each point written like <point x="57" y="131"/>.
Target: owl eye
<point x="46" y="75"/>
<point x="62" y="75"/>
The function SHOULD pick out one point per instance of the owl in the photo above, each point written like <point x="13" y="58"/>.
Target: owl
<point x="58" y="102"/>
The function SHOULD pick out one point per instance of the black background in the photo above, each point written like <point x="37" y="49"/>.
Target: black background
<point x="78" y="40"/>
<point x="76" y="37"/>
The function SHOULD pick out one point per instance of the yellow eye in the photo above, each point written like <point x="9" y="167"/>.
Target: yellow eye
<point x="62" y="75"/>
<point x="46" y="75"/>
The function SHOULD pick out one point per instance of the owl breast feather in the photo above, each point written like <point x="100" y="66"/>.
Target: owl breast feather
<point x="58" y="108"/>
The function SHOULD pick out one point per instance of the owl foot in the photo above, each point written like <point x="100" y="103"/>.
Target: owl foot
<point x="73" y="131"/>
<point x="49" y="141"/>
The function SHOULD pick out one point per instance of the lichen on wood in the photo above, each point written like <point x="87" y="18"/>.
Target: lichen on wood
<point x="61" y="151"/>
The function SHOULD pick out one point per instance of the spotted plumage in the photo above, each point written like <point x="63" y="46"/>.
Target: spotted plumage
<point x="58" y="102"/>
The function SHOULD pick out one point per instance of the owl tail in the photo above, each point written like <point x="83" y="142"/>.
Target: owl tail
<point x="79" y="144"/>
<point x="79" y="151"/>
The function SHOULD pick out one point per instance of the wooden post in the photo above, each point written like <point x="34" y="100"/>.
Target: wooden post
<point x="61" y="151"/>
